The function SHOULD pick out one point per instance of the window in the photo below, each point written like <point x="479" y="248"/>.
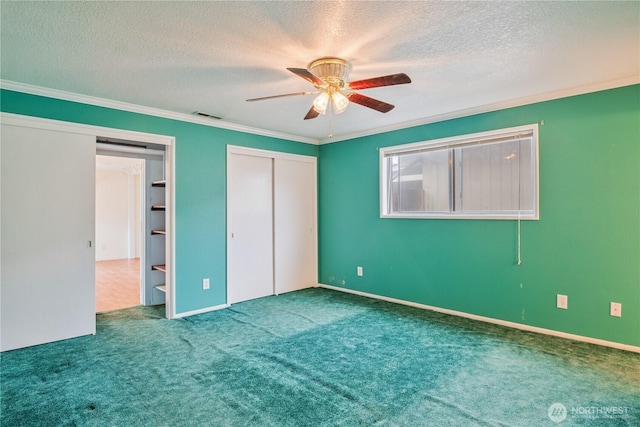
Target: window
<point x="492" y="175"/>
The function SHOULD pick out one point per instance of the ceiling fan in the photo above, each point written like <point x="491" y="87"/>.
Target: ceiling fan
<point x="329" y="76"/>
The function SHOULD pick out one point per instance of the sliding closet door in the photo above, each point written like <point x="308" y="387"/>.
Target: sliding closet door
<point x="271" y="223"/>
<point x="250" y="227"/>
<point x="48" y="214"/>
<point x="294" y="224"/>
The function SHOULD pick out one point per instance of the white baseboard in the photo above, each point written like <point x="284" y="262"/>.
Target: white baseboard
<point x="200" y="311"/>
<point x="508" y="324"/>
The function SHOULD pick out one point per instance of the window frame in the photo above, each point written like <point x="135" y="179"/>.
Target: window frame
<point x="450" y="144"/>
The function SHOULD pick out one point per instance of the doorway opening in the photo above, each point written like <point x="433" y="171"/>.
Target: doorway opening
<point x="130" y="232"/>
<point x="118" y="231"/>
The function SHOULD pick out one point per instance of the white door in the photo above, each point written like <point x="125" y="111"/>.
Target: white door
<point x="271" y="223"/>
<point x="294" y="225"/>
<point x="250" y="227"/>
<point x="47" y="227"/>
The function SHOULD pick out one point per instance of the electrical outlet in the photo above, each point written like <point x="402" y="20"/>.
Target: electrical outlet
<point x="205" y="283"/>
<point x="360" y="272"/>
<point x="616" y="309"/>
<point x="562" y="301"/>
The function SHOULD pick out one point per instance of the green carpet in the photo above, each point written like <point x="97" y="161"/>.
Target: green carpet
<point x="315" y="358"/>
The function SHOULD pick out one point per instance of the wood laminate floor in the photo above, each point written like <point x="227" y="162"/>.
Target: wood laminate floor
<point x="117" y="284"/>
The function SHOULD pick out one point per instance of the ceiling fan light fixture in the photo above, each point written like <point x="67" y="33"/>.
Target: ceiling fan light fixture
<point x="332" y="71"/>
<point x="321" y="102"/>
<point x="340" y="102"/>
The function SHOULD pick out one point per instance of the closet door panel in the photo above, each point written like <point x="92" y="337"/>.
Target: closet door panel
<point x="250" y="227"/>
<point x="47" y="228"/>
<point x="295" y="225"/>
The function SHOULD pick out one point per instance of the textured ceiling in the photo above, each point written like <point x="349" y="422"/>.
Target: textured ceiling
<point x="211" y="56"/>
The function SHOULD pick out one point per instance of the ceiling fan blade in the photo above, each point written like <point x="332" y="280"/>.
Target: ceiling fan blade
<point x="390" y="80"/>
<point x="312" y="114"/>
<point x="279" y="96"/>
<point x="306" y="74"/>
<point x="375" y="104"/>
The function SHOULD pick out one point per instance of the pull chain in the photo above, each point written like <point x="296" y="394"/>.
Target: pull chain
<point x="519" y="252"/>
<point x="331" y="122"/>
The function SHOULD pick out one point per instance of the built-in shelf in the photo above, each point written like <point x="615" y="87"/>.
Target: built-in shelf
<point x="156" y="199"/>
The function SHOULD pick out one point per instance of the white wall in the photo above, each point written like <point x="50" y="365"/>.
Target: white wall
<point x="118" y="207"/>
<point x="135" y="228"/>
<point x="112" y="215"/>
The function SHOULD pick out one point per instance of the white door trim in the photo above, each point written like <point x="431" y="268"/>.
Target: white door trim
<point x="233" y="149"/>
<point x="168" y="141"/>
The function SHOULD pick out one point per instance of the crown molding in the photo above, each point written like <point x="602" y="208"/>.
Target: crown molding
<point x="518" y="102"/>
<point x="118" y="105"/>
<point x="150" y="111"/>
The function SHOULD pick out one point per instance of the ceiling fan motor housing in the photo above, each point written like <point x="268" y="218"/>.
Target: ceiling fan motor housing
<point x="333" y="71"/>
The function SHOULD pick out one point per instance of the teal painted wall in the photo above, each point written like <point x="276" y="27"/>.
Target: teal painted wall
<point x="200" y="184"/>
<point x="585" y="245"/>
